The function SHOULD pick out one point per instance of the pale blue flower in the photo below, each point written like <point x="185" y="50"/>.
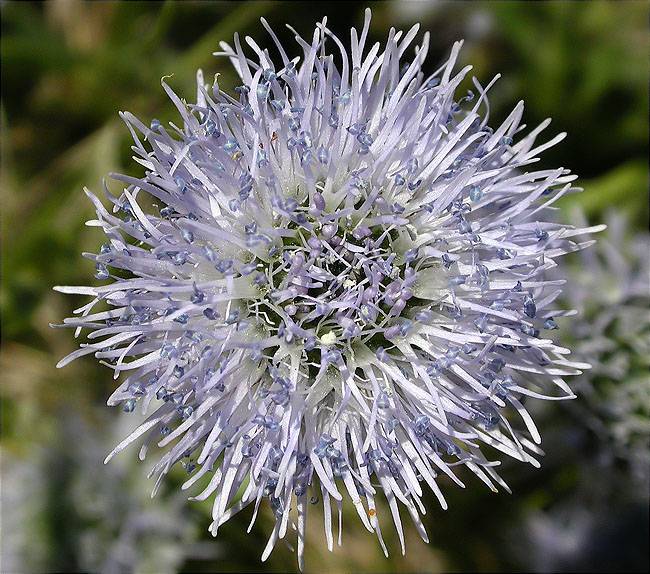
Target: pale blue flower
<point x="340" y="292"/>
<point x="611" y="292"/>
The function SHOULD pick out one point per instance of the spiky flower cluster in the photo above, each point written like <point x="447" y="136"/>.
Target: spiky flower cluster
<point x="612" y="332"/>
<point x="340" y="288"/>
<point x="112" y="525"/>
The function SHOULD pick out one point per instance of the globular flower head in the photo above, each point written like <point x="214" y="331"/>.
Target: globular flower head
<point x="612" y="332"/>
<point x="340" y="292"/>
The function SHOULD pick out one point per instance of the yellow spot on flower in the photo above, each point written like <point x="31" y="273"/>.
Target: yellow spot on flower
<point x="328" y="338"/>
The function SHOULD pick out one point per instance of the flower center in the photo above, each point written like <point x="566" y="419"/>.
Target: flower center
<point x="337" y="281"/>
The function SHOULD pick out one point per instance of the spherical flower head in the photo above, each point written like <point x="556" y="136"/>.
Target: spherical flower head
<point x="340" y="293"/>
<point x="612" y="331"/>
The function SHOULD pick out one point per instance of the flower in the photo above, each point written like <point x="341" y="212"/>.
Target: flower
<point x="340" y="292"/>
<point x="605" y="434"/>
<point x="612" y="332"/>
<point x="112" y="525"/>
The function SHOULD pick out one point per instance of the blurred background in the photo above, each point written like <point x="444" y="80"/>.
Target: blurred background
<point x="69" y="66"/>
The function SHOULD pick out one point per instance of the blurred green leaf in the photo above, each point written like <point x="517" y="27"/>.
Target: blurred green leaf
<point x="624" y="188"/>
